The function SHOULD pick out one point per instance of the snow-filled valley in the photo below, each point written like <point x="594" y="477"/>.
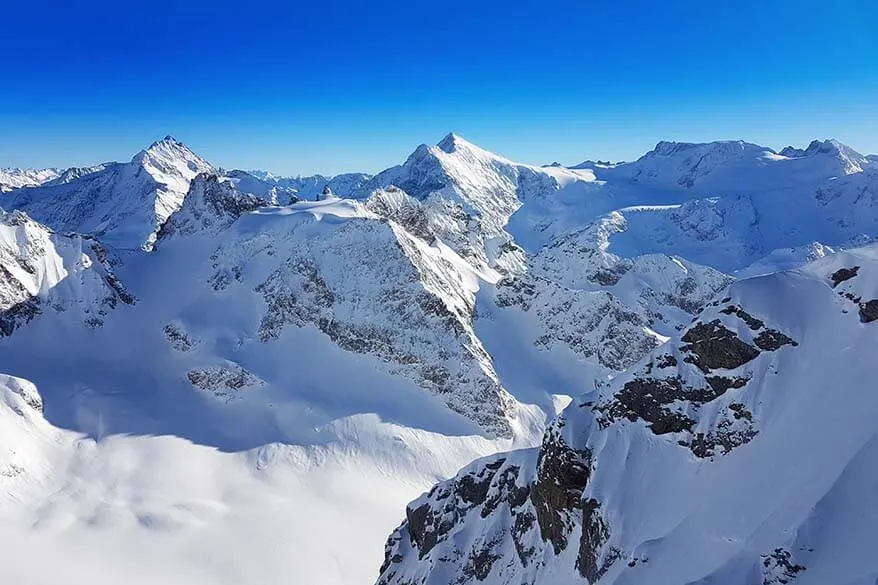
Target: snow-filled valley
<point x="224" y="376"/>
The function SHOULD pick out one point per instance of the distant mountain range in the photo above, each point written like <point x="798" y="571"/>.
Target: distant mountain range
<point x="652" y="371"/>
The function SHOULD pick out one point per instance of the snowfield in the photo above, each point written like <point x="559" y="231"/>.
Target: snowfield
<point x="216" y="376"/>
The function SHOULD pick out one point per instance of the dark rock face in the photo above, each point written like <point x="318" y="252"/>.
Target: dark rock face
<point x="557" y="495"/>
<point x="712" y="346"/>
<point x="210" y="203"/>
<point x="121" y="292"/>
<point x="595" y="534"/>
<point x="429" y="524"/>
<point x="665" y="361"/>
<point x="395" y="205"/>
<point x="843" y="274"/>
<point x="611" y="275"/>
<point x="419" y="519"/>
<point x="111" y="280"/>
<point x="479" y="563"/>
<point x="720" y="384"/>
<point x="646" y="399"/>
<point x="778" y="568"/>
<point x="18" y="313"/>
<point x="651" y="400"/>
<point x="752" y="322"/>
<point x="667" y="404"/>
<point x="772" y="339"/>
<point x="489" y="489"/>
<point x="731" y="432"/>
<point x="224" y="381"/>
<point x="178" y="338"/>
<point x="562" y="475"/>
<point x="869" y="311"/>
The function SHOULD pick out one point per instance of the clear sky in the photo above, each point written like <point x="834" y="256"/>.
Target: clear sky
<point x="327" y="86"/>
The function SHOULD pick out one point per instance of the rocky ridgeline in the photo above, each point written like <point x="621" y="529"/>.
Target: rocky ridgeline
<point x="211" y="205"/>
<point x="373" y="289"/>
<point x="712" y="390"/>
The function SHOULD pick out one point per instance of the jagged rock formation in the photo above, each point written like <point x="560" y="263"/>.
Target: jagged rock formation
<point x="608" y="496"/>
<point x="418" y="320"/>
<point x="211" y="205"/>
<point x="225" y="381"/>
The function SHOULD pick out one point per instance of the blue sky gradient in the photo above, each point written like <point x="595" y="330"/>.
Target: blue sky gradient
<point x="331" y="86"/>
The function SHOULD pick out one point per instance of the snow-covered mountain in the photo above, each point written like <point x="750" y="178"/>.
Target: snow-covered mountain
<point x="67" y="276"/>
<point x="310" y="187"/>
<point x="73" y="173"/>
<point x="741" y="451"/>
<point x="16" y="178"/>
<point x="733" y="204"/>
<point x="124" y="204"/>
<point x="229" y="352"/>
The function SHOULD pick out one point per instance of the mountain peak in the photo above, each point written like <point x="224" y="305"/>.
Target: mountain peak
<point x="830" y="145"/>
<point x="166" y="144"/>
<point x="451" y="142"/>
<point x="852" y="160"/>
<point x="170" y="156"/>
<point x="168" y="139"/>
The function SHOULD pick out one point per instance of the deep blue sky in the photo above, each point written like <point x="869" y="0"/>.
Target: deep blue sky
<point x="326" y="86"/>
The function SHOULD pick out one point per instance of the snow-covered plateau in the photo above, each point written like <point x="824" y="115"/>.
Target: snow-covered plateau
<point x="648" y="372"/>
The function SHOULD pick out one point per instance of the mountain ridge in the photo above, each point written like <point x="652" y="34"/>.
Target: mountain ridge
<point x="600" y="500"/>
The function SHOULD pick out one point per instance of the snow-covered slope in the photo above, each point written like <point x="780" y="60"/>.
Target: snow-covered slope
<point x="731" y="232"/>
<point x="16" y="178"/>
<point x="344" y="335"/>
<point x="741" y="451"/>
<point x="124" y="204"/>
<point x="733" y="204"/>
<point x="727" y="166"/>
<point x="67" y="276"/>
<point x="314" y="264"/>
